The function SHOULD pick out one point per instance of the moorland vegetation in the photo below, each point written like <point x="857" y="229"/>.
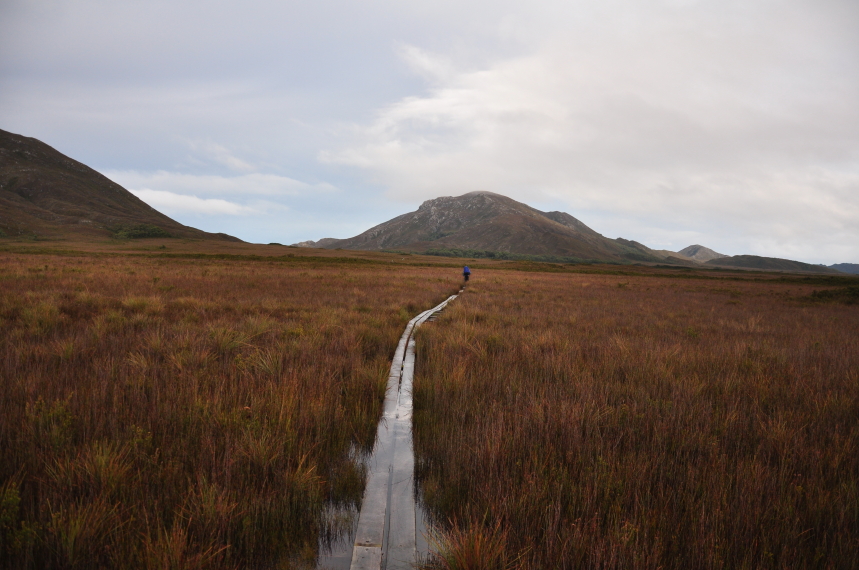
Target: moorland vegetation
<point x="190" y="413"/>
<point x="604" y="421"/>
<point x="168" y="403"/>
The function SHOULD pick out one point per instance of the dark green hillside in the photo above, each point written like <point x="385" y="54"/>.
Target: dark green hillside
<point x="44" y="193"/>
<point x="769" y="263"/>
<point x="846" y="268"/>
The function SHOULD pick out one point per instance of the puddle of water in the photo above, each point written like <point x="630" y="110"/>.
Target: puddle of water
<point x="336" y="553"/>
<point x="423" y="527"/>
<point x="337" y="559"/>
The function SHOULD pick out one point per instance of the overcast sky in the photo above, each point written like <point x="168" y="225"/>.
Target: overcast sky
<point x="733" y="124"/>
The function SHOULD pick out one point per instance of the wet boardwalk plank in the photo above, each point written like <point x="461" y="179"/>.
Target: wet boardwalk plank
<point x="386" y="534"/>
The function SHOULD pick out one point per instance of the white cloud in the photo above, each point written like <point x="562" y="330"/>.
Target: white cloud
<point x="171" y="204"/>
<point x="233" y="187"/>
<point x="220" y="155"/>
<point x="430" y="66"/>
<point x="677" y="117"/>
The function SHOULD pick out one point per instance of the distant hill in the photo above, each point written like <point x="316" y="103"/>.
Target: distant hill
<point x="485" y="224"/>
<point x="846" y="268"/>
<point x="676" y="256"/>
<point x="485" y="221"/>
<point x="322" y="243"/>
<point x="45" y="193"/>
<point x="768" y="263"/>
<point x="700" y="253"/>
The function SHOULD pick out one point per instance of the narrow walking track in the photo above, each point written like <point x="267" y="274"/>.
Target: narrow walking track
<point x="386" y="536"/>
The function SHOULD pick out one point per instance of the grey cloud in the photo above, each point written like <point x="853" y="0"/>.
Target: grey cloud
<point x="732" y="122"/>
<point x="728" y="126"/>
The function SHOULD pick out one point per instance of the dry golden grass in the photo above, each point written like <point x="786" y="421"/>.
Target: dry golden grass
<point x="189" y="413"/>
<point x="640" y="422"/>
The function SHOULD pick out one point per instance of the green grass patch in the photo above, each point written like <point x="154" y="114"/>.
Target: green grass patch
<point x="504" y="255"/>
<point x="139" y="231"/>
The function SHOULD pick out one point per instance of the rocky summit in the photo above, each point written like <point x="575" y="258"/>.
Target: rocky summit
<point x="485" y="221"/>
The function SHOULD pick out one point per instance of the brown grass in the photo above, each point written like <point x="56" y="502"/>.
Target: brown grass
<point x="641" y="422"/>
<point x="189" y="413"/>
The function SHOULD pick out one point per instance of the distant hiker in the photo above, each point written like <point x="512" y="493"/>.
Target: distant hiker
<point x="466" y="272"/>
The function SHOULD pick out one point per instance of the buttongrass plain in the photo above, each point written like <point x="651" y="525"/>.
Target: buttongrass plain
<point x="185" y="413"/>
<point x="587" y="421"/>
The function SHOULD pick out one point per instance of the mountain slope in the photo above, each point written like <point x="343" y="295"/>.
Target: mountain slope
<point x="478" y="223"/>
<point x="491" y="222"/>
<point x="45" y="193"/>
<point x="700" y="253"/>
<point x="769" y="263"/>
<point x="852" y="268"/>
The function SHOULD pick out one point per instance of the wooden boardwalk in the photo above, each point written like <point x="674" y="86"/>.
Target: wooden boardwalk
<point x="386" y="535"/>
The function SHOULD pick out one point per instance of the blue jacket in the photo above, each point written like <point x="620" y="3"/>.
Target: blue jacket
<point x="466" y="270"/>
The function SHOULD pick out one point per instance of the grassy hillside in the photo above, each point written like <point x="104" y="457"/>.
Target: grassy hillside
<point x="769" y="264"/>
<point x="46" y="194"/>
<point x="852" y="268"/>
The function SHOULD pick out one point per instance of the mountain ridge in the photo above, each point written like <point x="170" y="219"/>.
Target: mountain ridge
<point x="493" y="224"/>
<point x="852" y="268"/>
<point x="44" y="193"/>
<point x="769" y="264"/>
<point x="488" y="221"/>
<point x="48" y="194"/>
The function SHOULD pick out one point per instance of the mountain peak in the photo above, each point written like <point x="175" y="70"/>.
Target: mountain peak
<point x="701" y="253"/>
<point x="488" y="221"/>
<point x="478" y="197"/>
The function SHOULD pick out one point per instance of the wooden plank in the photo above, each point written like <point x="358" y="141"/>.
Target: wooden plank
<point x="366" y="558"/>
<point x="401" y="546"/>
<point x="388" y="508"/>
<point x="371" y="520"/>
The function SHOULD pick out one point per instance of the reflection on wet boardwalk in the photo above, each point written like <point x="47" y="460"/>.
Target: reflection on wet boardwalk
<point x="386" y="534"/>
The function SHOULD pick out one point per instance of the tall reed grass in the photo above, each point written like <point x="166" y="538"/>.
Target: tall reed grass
<point x="640" y="422"/>
<point x="189" y="413"/>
